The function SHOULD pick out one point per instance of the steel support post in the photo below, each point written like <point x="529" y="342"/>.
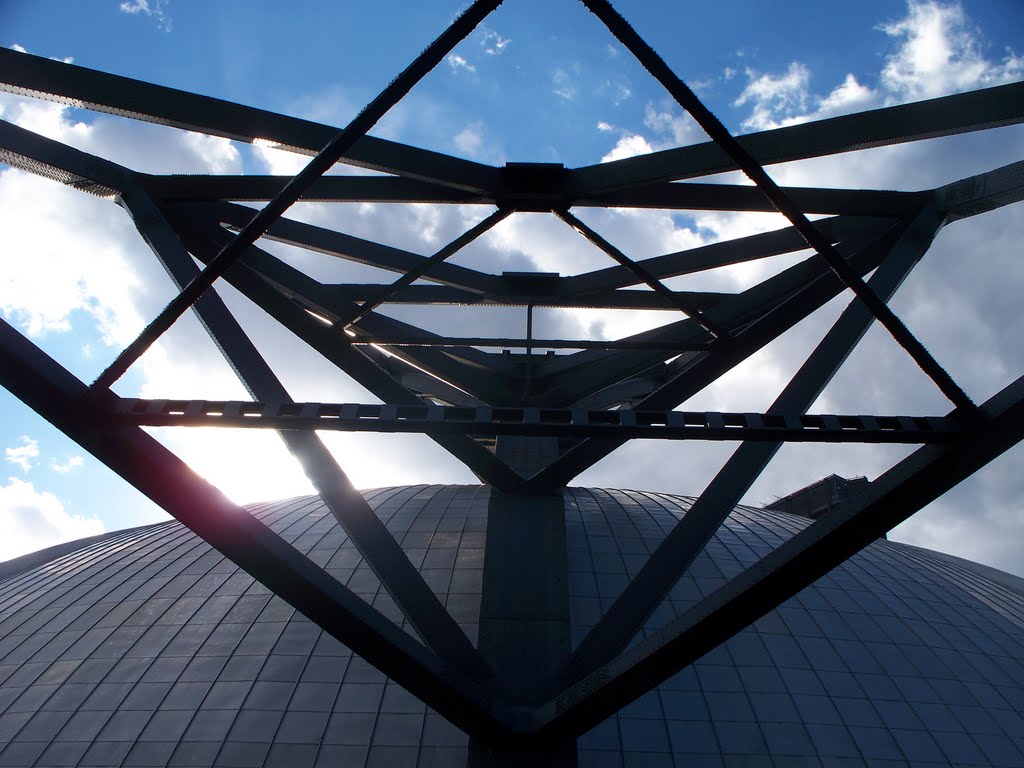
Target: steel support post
<point x="524" y="608"/>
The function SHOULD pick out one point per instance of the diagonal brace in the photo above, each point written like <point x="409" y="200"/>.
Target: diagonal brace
<point x="375" y="543"/>
<point x="59" y="397"/>
<point x="714" y="128"/>
<point x="424" y="266"/>
<point x="316" y="168"/>
<point x="643" y="275"/>
<point x="684" y="542"/>
<point x="892" y="498"/>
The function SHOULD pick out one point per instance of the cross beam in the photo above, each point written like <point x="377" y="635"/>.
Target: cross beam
<point x="559" y="422"/>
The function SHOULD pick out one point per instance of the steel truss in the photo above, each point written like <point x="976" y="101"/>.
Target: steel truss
<point x="571" y="409"/>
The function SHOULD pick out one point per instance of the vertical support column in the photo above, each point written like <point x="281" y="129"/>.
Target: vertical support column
<point x="524" y="610"/>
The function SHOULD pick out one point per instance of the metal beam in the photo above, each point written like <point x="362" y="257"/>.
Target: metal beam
<point x="642" y="274"/>
<point x="982" y="193"/>
<point x="444" y="294"/>
<point x="559" y="422"/>
<point x="664" y="196"/>
<point x="677" y="551"/>
<point x="372" y="539"/>
<point x="721" y="254"/>
<point x="28" y="151"/>
<point x="505" y="342"/>
<point x="769" y="310"/>
<point x="946" y="116"/>
<point x="348" y="247"/>
<point x="65" y="402"/>
<point x="28" y="75"/>
<point x="329" y="189"/>
<point x="361" y="368"/>
<point x="693" y="196"/>
<point x="914" y="482"/>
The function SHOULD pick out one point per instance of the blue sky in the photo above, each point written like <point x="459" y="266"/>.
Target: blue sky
<point x="539" y="81"/>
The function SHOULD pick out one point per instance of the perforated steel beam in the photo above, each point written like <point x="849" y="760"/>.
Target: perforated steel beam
<point x="779" y="425"/>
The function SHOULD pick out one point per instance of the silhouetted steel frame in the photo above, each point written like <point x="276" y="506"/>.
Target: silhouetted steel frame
<point x="774" y="427"/>
<point x="371" y="538"/>
<point x="872" y="229"/>
<point x="64" y="401"/>
<point x="332" y="152"/>
<point x="674" y="555"/>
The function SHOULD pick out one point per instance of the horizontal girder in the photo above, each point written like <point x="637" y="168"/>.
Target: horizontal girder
<point x="560" y="422"/>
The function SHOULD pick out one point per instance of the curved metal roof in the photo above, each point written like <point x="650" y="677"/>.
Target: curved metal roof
<point x="147" y="647"/>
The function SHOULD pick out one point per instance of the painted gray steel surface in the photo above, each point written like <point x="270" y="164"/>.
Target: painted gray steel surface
<point x="149" y="648"/>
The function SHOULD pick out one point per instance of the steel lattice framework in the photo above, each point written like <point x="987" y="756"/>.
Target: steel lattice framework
<point x="526" y="424"/>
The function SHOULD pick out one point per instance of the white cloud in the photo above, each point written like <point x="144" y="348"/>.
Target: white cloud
<point x="672" y="128"/>
<point x="629" y="145"/>
<point x="62" y="468"/>
<point x="24" y="455"/>
<point x="493" y="43"/>
<point x="669" y="129"/>
<point x="279" y="162"/>
<point x="941" y="53"/>
<point x="218" y="154"/>
<point x="850" y="96"/>
<point x="155" y="9"/>
<point x="459" y="64"/>
<point x="50" y="228"/>
<point x="35" y="519"/>
<point x="774" y="95"/>
<point x="564" y="81"/>
<point x="470" y="140"/>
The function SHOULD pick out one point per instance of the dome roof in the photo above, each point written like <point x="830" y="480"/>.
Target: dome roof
<point x="147" y="647"/>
